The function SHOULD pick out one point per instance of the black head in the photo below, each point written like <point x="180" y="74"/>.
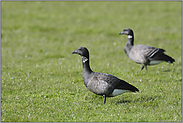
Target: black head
<point x="82" y="51"/>
<point x="127" y="31"/>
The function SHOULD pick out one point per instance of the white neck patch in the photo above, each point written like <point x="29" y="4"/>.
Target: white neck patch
<point x="84" y="59"/>
<point x="129" y="36"/>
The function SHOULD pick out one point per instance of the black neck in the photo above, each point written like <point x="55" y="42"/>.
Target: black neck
<point x="129" y="44"/>
<point x="87" y="72"/>
<point x="130" y="40"/>
<point x="86" y="65"/>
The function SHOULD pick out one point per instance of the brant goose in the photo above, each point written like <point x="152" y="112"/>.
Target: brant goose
<point x="143" y="54"/>
<point x="102" y="84"/>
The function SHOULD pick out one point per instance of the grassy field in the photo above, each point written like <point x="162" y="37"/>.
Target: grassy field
<point x="41" y="81"/>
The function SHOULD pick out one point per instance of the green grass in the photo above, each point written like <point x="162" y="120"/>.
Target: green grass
<point x="42" y="81"/>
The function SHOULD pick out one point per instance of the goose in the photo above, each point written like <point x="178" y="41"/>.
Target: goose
<point x="102" y="84"/>
<point x="143" y="54"/>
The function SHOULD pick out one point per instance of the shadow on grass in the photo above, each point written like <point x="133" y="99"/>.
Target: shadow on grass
<point x="124" y="101"/>
<point x="168" y="70"/>
<point x="142" y="99"/>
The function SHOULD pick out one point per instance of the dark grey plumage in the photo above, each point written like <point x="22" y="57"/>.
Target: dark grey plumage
<point x="102" y="84"/>
<point x="143" y="54"/>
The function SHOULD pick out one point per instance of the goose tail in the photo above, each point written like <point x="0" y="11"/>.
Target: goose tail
<point x="162" y="57"/>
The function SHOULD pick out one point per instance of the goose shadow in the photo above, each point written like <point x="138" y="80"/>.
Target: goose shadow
<point x="141" y="99"/>
<point x="168" y="70"/>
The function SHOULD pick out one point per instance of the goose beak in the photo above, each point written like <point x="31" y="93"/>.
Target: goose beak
<point x="121" y="33"/>
<point x="74" y="52"/>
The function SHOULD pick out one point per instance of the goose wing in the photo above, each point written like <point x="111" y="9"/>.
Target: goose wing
<point x="144" y="53"/>
<point x="148" y="51"/>
<point x="115" y="82"/>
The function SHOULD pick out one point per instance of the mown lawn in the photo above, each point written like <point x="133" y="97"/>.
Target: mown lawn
<point x="41" y="81"/>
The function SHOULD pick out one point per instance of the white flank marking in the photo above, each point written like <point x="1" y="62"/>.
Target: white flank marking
<point x="129" y="36"/>
<point x="154" y="62"/>
<point x="118" y="92"/>
<point x="154" y="53"/>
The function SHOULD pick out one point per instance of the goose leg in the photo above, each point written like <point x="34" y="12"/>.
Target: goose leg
<point x="142" y="68"/>
<point x="146" y="67"/>
<point x="104" y="98"/>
